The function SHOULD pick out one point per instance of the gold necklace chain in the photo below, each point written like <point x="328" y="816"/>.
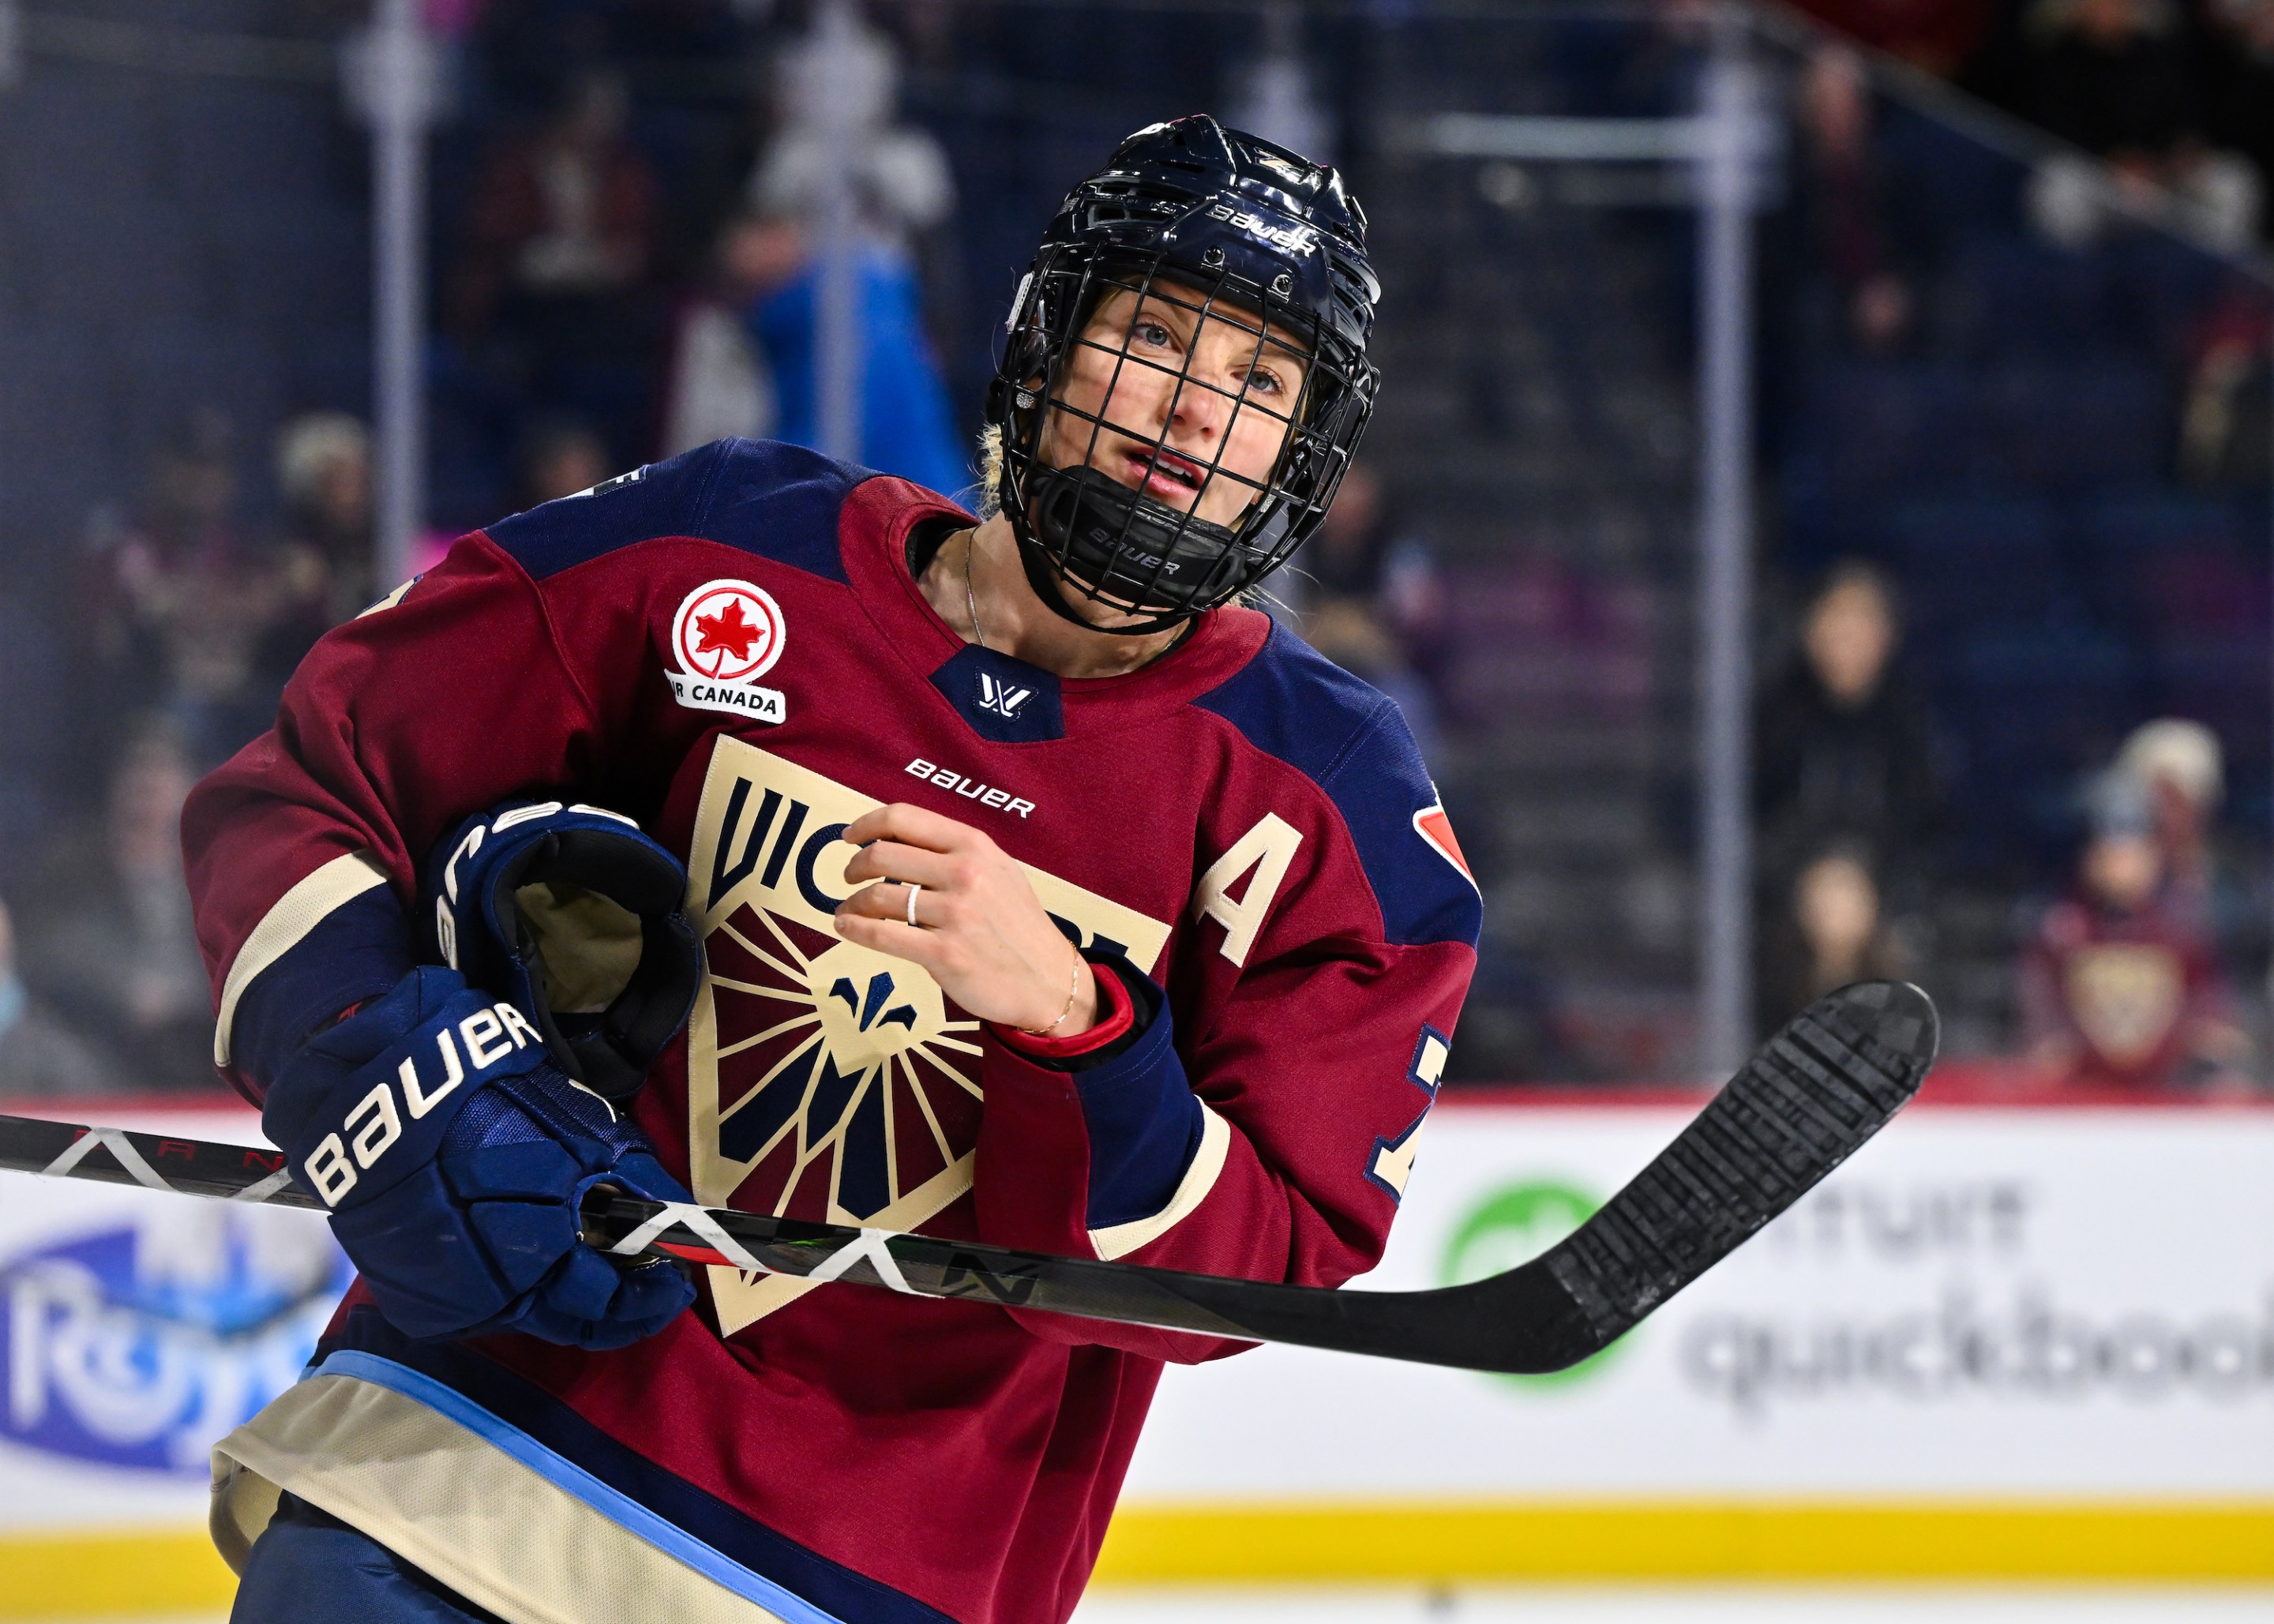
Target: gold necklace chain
<point x="970" y="598"/>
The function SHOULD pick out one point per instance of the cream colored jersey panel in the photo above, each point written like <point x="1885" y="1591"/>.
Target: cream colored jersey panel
<point x="297" y="912"/>
<point x="440" y="1496"/>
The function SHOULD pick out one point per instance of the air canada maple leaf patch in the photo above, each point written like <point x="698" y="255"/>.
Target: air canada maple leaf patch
<point x="726" y="635"/>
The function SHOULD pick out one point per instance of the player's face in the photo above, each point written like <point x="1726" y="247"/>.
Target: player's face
<point x="1212" y="389"/>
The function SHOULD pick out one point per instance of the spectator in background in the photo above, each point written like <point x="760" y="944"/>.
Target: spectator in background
<point x="838" y="90"/>
<point x="1845" y="206"/>
<point x="1843" y="751"/>
<point x="108" y="935"/>
<point x="2226" y="425"/>
<point x="2238" y="81"/>
<point x="550" y="290"/>
<point x="2117" y="988"/>
<point x="186" y="601"/>
<point x="1831" y="932"/>
<point x="323" y="470"/>
<point x="558" y="456"/>
<point x="39" y="1057"/>
<point x="720" y="384"/>
<point x="2176" y="767"/>
<point x="1368" y="596"/>
<point x="2119" y="79"/>
<point x="908" y="427"/>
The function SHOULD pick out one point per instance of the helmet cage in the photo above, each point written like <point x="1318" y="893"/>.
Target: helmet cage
<point x="1083" y="532"/>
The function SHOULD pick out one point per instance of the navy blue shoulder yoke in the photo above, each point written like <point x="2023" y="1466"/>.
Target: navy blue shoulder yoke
<point x="1350" y="738"/>
<point x="779" y="501"/>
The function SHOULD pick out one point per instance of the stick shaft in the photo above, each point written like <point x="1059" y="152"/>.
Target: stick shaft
<point x="918" y="1264"/>
<point x="1814" y="1094"/>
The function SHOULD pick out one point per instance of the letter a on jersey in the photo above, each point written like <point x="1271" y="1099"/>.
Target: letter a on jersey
<point x="1269" y="849"/>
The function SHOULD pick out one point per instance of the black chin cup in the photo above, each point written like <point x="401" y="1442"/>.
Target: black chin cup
<point x="1108" y="543"/>
<point x="608" y="1050"/>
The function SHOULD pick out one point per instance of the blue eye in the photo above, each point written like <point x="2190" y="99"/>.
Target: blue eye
<point x="1153" y="332"/>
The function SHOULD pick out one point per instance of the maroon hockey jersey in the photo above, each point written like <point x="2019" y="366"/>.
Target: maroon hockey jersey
<point x="731" y="647"/>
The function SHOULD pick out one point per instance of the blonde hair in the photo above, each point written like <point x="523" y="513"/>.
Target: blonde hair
<point x="991" y="471"/>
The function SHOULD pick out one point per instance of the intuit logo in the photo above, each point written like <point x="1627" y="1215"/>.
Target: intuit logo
<point x="142" y="1347"/>
<point x="1511" y="1227"/>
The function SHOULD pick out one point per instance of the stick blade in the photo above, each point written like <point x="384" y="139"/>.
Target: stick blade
<point x="1813" y="1094"/>
<point x="1807" y="1101"/>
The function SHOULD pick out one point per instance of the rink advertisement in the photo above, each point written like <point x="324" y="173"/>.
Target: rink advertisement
<point x="2043" y="1337"/>
<point x="1998" y="1344"/>
<point x="135" y="1330"/>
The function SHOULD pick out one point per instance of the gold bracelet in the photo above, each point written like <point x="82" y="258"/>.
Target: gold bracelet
<point x="1073" y="987"/>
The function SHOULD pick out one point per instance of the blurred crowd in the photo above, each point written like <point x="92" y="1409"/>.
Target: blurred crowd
<point x="617" y="286"/>
<point x="186" y="620"/>
<point x="639" y="207"/>
<point x="2178" y="95"/>
<point x="598" y="306"/>
<point x="2126" y="977"/>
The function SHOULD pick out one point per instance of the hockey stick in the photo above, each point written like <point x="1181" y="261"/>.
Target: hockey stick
<point x="1815" y="1092"/>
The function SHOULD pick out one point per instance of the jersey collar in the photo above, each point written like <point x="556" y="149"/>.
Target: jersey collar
<point x="873" y="529"/>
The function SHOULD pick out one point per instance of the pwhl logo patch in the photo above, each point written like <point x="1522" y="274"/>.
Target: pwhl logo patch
<point x="1001" y="697"/>
<point x="827" y="1080"/>
<point x="1511" y="1227"/>
<point x="726" y="635"/>
<point x="141" y="1347"/>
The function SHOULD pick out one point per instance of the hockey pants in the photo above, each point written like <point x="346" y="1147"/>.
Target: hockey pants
<point x="310" y="1567"/>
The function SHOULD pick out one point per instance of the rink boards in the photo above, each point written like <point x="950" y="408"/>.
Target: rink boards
<point x="2001" y="1342"/>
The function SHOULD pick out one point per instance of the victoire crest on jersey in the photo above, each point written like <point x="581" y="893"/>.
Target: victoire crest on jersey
<point x="725" y="636"/>
<point x="827" y="1080"/>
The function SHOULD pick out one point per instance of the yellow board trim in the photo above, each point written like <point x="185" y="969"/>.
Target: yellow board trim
<point x="113" y="1574"/>
<point x="1447" y="1542"/>
<point x="117" y="1574"/>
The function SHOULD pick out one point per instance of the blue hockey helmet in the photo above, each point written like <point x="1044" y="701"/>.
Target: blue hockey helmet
<point x="1234" y="229"/>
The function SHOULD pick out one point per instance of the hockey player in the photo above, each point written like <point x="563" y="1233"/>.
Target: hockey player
<point x="1043" y="895"/>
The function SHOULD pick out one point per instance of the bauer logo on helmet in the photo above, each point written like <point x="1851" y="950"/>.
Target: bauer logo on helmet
<point x="1293" y="240"/>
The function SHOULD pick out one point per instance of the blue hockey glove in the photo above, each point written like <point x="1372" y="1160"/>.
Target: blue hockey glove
<point x="573" y="916"/>
<point x="453" y="1153"/>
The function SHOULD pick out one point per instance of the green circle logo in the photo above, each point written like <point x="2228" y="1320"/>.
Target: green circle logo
<point x="1511" y="1227"/>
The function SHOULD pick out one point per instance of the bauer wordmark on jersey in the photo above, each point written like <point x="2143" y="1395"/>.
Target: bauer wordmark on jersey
<point x="1813" y="1095"/>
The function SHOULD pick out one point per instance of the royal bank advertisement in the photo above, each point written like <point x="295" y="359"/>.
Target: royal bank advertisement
<point x="136" y="1329"/>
